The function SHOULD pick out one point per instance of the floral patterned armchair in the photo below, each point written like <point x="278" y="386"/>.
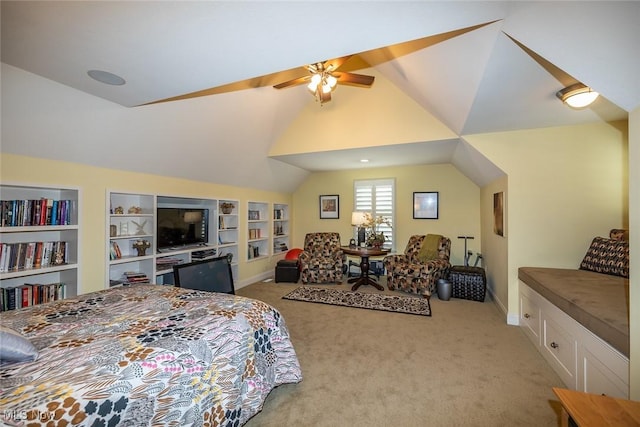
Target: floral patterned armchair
<point x="407" y="273"/>
<point x="322" y="258"/>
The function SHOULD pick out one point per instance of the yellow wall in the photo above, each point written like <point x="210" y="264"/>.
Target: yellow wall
<point x="459" y="204"/>
<point x="355" y="120"/>
<point x="566" y="185"/>
<point x="94" y="183"/>
<point x="495" y="247"/>
<point x="634" y="253"/>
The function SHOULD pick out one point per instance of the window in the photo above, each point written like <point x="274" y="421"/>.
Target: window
<point x="376" y="197"/>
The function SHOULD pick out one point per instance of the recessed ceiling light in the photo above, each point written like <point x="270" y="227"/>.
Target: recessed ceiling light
<point x="364" y="160"/>
<point x="106" y="77"/>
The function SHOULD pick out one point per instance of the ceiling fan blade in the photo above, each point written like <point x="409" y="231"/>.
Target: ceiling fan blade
<point x="336" y="62"/>
<point x="354" y="79"/>
<point x="294" y="82"/>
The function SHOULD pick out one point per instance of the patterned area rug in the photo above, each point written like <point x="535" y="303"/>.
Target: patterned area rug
<point x="372" y="301"/>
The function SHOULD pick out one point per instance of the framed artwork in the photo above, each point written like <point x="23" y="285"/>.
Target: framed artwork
<point x="330" y="207"/>
<point x="498" y="213"/>
<point x="425" y="205"/>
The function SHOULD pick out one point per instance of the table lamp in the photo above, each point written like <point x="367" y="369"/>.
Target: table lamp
<point x="357" y="219"/>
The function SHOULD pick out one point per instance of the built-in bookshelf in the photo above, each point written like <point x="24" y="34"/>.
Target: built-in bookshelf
<point x="39" y="228"/>
<point x="280" y="228"/>
<point x="141" y="231"/>
<point x="228" y="225"/>
<point x="130" y="230"/>
<point x="258" y="226"/>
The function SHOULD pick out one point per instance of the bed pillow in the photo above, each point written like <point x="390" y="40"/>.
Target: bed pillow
<point x="15" y="347"/>
<point x="607" y="256"/>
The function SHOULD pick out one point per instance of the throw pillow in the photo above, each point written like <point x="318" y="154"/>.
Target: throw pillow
<point x="429" y="249"/>
<point x="15" y="347"/>
<point x="607" y="256"/>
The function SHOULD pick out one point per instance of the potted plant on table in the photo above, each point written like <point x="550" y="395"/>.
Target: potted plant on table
<point x="375" y="237"/>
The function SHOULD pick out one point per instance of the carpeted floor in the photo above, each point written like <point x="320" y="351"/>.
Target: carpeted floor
<point x="367" y="300"/>
<point x="464" y="366"/>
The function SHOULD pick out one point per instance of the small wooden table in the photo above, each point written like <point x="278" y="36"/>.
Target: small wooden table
<point x="594" y="410"/>
<point x="364" y="254"/>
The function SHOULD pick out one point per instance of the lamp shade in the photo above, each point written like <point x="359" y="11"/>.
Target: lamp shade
<point x="577" y="95"/>
<point x="357" y="218"/>
<point x="192" y="217"/>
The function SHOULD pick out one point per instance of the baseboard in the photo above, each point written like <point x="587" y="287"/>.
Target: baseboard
<point x="512" y="319"/>
<point x="257" y="278"/>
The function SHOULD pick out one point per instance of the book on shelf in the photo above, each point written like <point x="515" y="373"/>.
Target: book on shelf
<point x="31" y="212"/>
<point x="134" y="277"/>
<point x="28" y="294"/>
<point x="29" y="255"/>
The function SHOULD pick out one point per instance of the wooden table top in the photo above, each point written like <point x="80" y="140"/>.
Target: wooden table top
<point x="364" y="251"/>
<point x="593" y="410"/>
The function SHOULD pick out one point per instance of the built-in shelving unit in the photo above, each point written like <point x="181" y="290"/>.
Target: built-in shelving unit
<point x="280" y="228"/>
<point x="228" y="236"/>
<point x="39" y="235"/>
<point x="139" y="226"/>
<point x="131" y="225"/>
<point x="258" y="226"/>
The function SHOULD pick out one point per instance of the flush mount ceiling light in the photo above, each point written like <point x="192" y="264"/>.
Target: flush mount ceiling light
<point x="106" y="77"/>
<point x="577" y="95"/>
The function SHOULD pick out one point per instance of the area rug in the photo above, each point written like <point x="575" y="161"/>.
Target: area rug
<point x="372" y="301"/>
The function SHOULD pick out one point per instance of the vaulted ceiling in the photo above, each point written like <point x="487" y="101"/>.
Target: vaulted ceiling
<point x="462" y="67"/>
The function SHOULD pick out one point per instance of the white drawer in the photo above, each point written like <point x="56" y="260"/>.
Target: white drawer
<point x="560" y="349"/>
<point x="530" y="317"/>
<point x="599" y="378"/>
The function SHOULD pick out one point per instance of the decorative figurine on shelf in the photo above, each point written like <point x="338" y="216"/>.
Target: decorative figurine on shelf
<point x="227" y="207"/>
<point x="135" y="210"/>
<point x="140" y="228"/>
<point x="141" y="246"/>
<point x="119" y="210"/>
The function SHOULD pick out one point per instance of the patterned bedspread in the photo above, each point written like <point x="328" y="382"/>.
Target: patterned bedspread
<point x="147" y="355"/>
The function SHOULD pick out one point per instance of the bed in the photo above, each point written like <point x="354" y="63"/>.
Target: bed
<point x="146" y="355"/>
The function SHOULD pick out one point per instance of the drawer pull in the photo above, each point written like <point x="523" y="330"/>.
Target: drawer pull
<point x="526" y="315"/>
<point x="553" y="345"/>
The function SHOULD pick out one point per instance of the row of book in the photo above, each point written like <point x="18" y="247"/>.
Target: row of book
<point x="24" y="213"/>
<point x="30" y="255"/>
<point x="30" y="294"/>
<point x="114" y="251"/>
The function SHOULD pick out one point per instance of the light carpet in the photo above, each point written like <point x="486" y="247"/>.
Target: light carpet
<point x="371" y="301"/>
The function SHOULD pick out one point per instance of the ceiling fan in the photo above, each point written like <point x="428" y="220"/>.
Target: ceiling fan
<point x="323" y="78"/>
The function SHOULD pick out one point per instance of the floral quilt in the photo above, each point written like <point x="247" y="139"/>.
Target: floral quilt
<point x="146" y="355"/>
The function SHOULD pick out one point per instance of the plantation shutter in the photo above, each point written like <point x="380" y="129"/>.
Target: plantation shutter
<point x="376" y="197"/>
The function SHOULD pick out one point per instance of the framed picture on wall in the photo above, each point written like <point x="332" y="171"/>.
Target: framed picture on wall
<point x="498" y="213"/>
<point x="330" y="207"/>
<point x="425" y="205"/>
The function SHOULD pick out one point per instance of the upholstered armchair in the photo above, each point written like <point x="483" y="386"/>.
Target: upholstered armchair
<point x="417" y="270"/>
<point x="322" y="258"/>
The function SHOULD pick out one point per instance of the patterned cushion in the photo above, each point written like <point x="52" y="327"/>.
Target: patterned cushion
<point x="607" y="256"/>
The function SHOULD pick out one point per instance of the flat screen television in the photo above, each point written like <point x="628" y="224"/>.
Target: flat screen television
<point x="182" y="227"/>
<point x="212" y="275"/>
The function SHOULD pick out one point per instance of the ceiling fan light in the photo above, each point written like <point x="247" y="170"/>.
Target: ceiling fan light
<point x="315" y="79"/>
<point x="326" y="88"/>
<point x="332" y="81"/>
<point x="312" y="87"/>
<point x="577" y="95"/>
